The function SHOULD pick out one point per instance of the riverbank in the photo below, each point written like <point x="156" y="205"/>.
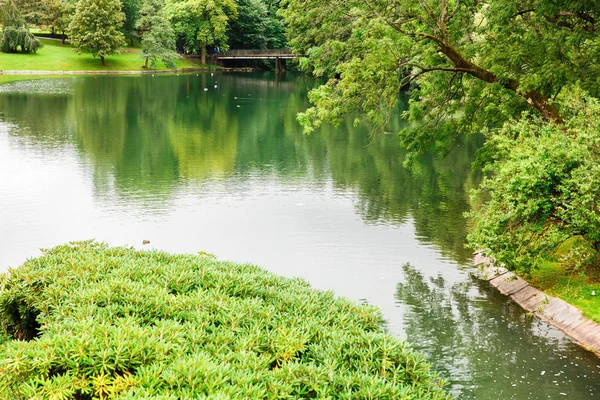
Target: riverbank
<point x="115" y="321"/>
<point x="553" y="310"/>
<point x="55" y="56"/>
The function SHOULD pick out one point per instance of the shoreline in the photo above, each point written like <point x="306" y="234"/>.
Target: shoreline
<point x="558" y="313"/>
<point x="118" y="72"/>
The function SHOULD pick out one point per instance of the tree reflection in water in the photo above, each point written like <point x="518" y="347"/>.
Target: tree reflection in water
<point x="466" y="328"/>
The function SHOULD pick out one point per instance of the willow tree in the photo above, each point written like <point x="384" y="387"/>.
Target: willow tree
<point x="15" y="35"/>
<point x="95" y="28"/>
<point x="469" y="63"/>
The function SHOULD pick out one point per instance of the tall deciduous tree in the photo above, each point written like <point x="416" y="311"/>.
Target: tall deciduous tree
<point x="95" y="27"/>
<point x="468" y="62"/>
<point x="202" y="23"/>
<point x="158" y="37"/>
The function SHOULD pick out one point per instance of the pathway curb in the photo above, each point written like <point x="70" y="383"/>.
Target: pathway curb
<point x="553" y="310"/>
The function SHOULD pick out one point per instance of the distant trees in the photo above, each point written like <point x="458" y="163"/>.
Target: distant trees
<point x="58" y="14"/>
<point x="202" y="23"/>
<point x="131" y="8"/>
<point x="15" y="35"/>
<point x="102" y="27"/>
<point x="257" y="26"/>
<point x="158" y="37"/>
<point x="95" y="27"/>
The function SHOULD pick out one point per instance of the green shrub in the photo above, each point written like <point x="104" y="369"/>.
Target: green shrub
<point x="543" y="190"/>
<point x="128" y="324"/>
<point x="15" y="38"/>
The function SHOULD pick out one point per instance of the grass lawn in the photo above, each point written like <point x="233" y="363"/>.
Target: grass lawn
<point x="575" y="286"/>
<point x="89" y="321"/>
<point x="55" y="56"/>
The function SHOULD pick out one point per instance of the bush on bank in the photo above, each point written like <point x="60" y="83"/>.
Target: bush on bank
<point x="542" y="195"/>
<point x="87" y="321"/>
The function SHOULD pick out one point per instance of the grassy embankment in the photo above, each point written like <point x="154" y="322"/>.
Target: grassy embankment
<point x="578" y="287"/>
<point x="55" y="56"/>
<point x="88" y="321"/>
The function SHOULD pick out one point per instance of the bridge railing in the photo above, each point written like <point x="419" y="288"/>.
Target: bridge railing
<point x="255" y="52"/>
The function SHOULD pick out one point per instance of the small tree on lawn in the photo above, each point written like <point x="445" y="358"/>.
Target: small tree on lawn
<point x="95" y="28"/>
<point x="158" y="37"/>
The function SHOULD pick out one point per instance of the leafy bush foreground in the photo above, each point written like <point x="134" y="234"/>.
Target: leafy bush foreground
<point x="87" y="321"/>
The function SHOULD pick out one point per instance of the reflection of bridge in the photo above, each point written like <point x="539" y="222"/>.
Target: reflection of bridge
<point x="260" y="54"/>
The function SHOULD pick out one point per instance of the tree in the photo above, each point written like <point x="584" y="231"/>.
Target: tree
<point x="257" y="26"/>
<point x="131" y="8"/>
<point x="158" y="38"/>
<point x="542" y="193"/>
<point x="32" y="10"/>
<point x="249" y="29"/>
<point x="15" y="34"/>
<point x="202" y="23"/>
<point x="57" y="15"/>
<point x="95" y="27"/>
<point x="468" y="63"/>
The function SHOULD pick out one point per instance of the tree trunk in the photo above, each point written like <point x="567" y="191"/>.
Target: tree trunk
<point x="533" y="97"/>
<point x="146" y="64"/>
<point x="102" y="60"/>
<point x="64" y="37"/>
<point x="203" y="53"/>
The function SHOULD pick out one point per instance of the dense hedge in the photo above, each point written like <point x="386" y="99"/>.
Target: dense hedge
<point x="90" y="321"/>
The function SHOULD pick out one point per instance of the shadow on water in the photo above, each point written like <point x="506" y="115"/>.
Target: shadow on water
<point x="473" y="334"/>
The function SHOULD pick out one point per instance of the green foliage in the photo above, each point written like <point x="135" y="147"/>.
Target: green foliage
<point x="58" y="14"/>
<point x="468" y="64"/>
<point x="121" y="323"/>
<point x="543" y="189"/>
<point x="33" y="11"/>
<point x="202" y="23"/>
<point x="131" y="9"/>
<point x="158" y="38"/>
<point x="256" y="27"/>
<point x="95" y="27"/>
<point x="15" y="35"/>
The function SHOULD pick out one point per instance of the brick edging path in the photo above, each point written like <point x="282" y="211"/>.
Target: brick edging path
<point x="553" y="310"/>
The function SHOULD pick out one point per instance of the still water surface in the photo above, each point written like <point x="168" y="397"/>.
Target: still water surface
<point x="218" y="163"/>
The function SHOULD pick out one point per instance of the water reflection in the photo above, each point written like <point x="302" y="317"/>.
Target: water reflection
<point x="144" y="137"/>
<point x="218" y="163"/>
<point x="473" y="334"/>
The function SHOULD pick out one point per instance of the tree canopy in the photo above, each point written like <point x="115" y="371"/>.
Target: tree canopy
<point x="95" y="27"/>
<point x="158" y="38"/>
<point x="202" y="23"/>
<point x="469" y="64"/>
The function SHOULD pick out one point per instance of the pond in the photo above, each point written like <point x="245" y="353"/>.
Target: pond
<point x="217" y="163"/>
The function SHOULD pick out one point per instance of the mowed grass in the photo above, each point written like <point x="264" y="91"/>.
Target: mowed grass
<point x="55" y="56"/>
